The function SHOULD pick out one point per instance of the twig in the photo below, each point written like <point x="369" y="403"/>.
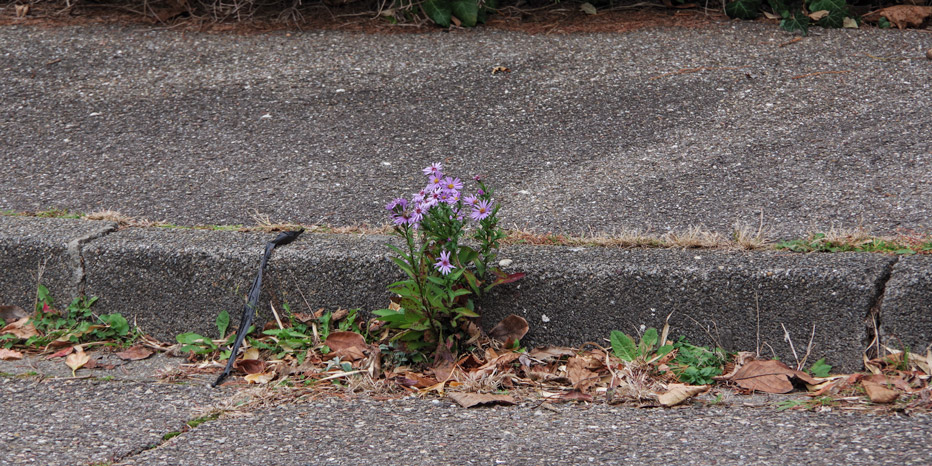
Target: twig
<point x="277" y="319"/>
<point x="816" y="73"/>
<point x="790" y="42"/>
<point x="786" y="338"/>
<point x="694" y="70"/>
<point x="808" y="349"/>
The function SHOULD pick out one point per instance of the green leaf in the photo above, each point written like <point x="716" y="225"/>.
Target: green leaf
<point x="820" y="368"/>
<point x="883" y="23"/>
<point x="403" y="266"/>
<point x="190" y="338"/>
<point x="830" y="5"/>
<point x="623" y="346"/>
<point x="664" y="350"/>
<point x="743" y="9"/>
<point x="466" y="10"/>
<point x="439" y="11"/>
<point x="467" y="255"/>
<point x="465" y="312"/>
<point x="798" y="22"/>
<point x="648" y="340"/>
<point x="437" y="280"/>
<point x="223" y="322"/>
<point x="117" y="323"/>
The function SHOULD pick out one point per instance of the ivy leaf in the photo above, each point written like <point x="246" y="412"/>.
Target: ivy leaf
<point x="117" y="323"/>
<point x="467" y="11"/>
<point x="623" y="346"/>
<point x="820" y="368"/>
<point x="798" y="22"/>
<point x="438" y="11"/>
<point x="743" y="9"/>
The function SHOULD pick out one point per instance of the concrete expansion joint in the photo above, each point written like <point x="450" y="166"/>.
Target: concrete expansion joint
<point x="75" y="249"/>
<point x="874" y="316"/>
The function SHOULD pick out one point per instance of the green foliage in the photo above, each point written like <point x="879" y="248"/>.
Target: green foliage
<point x="193" y="342"/>
<point x="883" y="23"/>
<point x="76" y="324"/>
<point x="696" y="365"/>
<point x="820" y="368"/>
<point x="743" y="9"/>
<point x="468" y="12"/>
<point x="797" y="21"/>
<point x="625" y="349"/>
<point x="819" y="243"/>
<point x="223" y="323"/>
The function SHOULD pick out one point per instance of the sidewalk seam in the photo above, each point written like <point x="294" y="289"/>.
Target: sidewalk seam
<point x="875" y="310"/>
<point x="75" y="251"/>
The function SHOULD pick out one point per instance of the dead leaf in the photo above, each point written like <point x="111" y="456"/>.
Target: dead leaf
<point x="578" y="373"/>
<point x="510" y="328"/>
<point x="588" y="9"/>
<point x="574" y="395"/>
<point x="468" y="400"/>
<point x="338" y="315"/>
<point x="60" y="353"/>
<point x="496" y="363"/>
<point x="817" y="15"/>
<point x="678" y="393"/>
<point x="353" y="353"/>
<point x="250" y="366"/>
<point x="77" y="359"/>
<point x="22" y="11"/>
<point x="135" y="353"/>
<point x="251" y="353"/>
<point x="341" y="340"/>
<point x="261" y="378"/>
<point x="902" y="16"/>
<point x="849" y="23"/>
<point x="550" y="353"/>
<point x="10" y="355"/>
<point x="878" y="393"/>
<point x="770" y="376"/>
<point x="22" y="328"/>
<point x="419" y="380"/>
<point x="11" y="313"/>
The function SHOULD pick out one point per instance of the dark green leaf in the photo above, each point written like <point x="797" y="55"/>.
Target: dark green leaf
<point x="820" y="368"/>
<point x="623" y="346"/>
<point x="799" y="22"/>
<point x="466" y="10"/>
<point x="648" y="340"/>
<point x="439" y="11"/>
<point x="223" y="322"/>
<point x="117" y="323"/>
<point x="743" y="9"/>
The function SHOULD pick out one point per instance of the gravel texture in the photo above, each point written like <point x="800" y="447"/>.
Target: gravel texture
<point x="419" y="432"/>
<point x="588" y="133"/>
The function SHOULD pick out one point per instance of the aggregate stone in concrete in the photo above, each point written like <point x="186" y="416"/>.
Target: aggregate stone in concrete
<point x="906" y="316"/>
<point x="174" y="281"/>
<point x="421" y="432"/>
<point x="30" y="245"/>
<point x="54" y="422"/>
<point x="572" y="295"/>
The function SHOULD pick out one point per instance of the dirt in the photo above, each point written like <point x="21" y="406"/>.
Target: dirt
<point x="557" y="18"/>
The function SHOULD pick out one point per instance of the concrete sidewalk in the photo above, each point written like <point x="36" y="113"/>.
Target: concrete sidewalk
<point x="171" y="281"/>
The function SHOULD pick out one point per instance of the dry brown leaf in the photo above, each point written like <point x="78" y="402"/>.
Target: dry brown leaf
<point x="10" y="355"/>
<point x="251" y="353"/>
<point x="420" y="381"/>
<point x="574" y="395"/>
<point x="340" y="340"/>
<point x="550" y="353"/>
<point x="510" y="328"/>
<point x="11" y="313"/>
<point x="770" y="376"/>
<point x="22" y="328"/>
<point x="77" y="359"/>
<point x="817" y="15"/>
<point x="578" y="373"/>
<point x="902" y="16"/>
<point x="879" y="393"/>
<point x="468" y="400"/>
<point x="261" y="378"/>
<point x="678" y="393"/>
<point x="496" y="363"/>
<point x="60" y="353"/>
<point x="250" y="366"/>
<point x="351" y="354"/>
<point x="135" y="353"/>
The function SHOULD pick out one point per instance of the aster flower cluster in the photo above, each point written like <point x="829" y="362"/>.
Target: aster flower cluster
<point x="440" y="190"/>
<point x="440" y="209"/>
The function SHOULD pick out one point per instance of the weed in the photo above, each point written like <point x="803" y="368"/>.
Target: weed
<point x="625" y="349"/>
<point x="170" y="435"/>
<point x="76" y="324"/>
<point x="206" y="418"/>
<point x="696" y="365"/>
<point x="820" y="368"/>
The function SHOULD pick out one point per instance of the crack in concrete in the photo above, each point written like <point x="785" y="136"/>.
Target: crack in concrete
<point x="75" y="250"/>
<point x="873" y="318"/>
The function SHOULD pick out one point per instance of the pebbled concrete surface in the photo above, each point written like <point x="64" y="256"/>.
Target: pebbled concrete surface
<point x="50" y="247"/>
<point x="420" y="432"/>
<point x="906" y="319"/>
<point x="73" y="422"/>
<point x="588" y="133"/>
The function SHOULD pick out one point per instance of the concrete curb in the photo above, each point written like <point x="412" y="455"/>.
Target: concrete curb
<point x="173" y="281"/>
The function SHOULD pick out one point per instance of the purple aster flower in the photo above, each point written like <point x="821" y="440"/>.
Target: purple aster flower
<point x="477" y="178"/>
<point x="481" y="210"/>
<point x="452" y="197"/>
<point x="434" y="169"/>
<point x="397" y="202"/>
<point x="471" y="200"/>
<point x="402" y="219"/>
<point x="417" y="213"/>
<point x="443" y="264"/>
<point x="434" y="182"/>
<point x="452" y="184"/>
